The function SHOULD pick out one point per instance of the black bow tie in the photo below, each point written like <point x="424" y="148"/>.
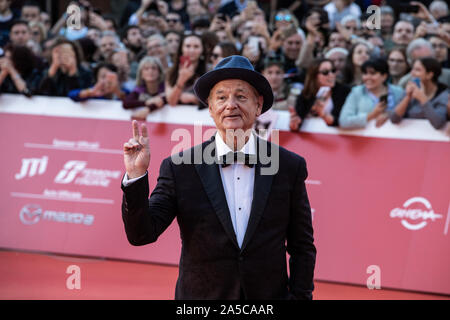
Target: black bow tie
<point x="238" y="157"/>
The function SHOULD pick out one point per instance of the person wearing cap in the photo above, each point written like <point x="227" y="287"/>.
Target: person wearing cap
<point x="274" y="73"/>
<point x="237" y="219"/>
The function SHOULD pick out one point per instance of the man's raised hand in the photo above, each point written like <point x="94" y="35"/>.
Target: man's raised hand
<point x="136" y="152"/>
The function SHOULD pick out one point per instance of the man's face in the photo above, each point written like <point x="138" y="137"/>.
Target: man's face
<point x="156" y="48"/>
<point x="422" y="52"/>
<point x="397" y="64"/>
<point x="20" y="35"/>
<point x="351" y="26"/>
<point x="134" y="37"/>
<point x="234" y="104"/>
<point x="107" y="46"/>
<point x="292" y="46"/>
<point x="174" y="22"/>
<point x="403" y="33"/>
<point x="109" y="25"/>
<point x="387" y="21"/>
<point x="194" y="8"/>
<point x="440" y="48"/>
<point x="120" y="60"/>
<point x="4" y="5"/>
<point x="30" y="13"/>
<point x="337" y="40"/>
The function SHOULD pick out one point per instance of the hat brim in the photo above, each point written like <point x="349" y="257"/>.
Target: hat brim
<point x="205" y="83"/>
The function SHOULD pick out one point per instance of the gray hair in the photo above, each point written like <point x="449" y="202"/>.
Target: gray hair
<point x="439" y="5"/>
<point x="145" y="61"/>
<point x="109" y="33"/>
<point x="158" y="36"/>
<point x="351" y="17"/>
<point x="416" y="44"/>
<point x="336" y="50"/>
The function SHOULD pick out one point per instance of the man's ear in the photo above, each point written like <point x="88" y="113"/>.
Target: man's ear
<point x="260" y="104"/>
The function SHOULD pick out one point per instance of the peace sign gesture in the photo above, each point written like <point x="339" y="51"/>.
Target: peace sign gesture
<point x="136" y="152"/>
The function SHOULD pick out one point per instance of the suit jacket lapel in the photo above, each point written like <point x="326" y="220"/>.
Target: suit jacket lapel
<point x="261" y="190"/>
<point x="210" y="176"/>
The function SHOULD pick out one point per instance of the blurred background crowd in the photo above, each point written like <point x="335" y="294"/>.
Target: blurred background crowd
<point x="344" y="61"/>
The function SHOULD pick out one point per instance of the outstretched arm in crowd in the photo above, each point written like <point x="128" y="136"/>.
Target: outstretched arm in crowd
<point x="306" y="55"/>
<point x="58" y="25"/>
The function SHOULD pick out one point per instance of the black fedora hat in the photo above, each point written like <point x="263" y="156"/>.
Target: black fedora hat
<point x="234" y="67"/>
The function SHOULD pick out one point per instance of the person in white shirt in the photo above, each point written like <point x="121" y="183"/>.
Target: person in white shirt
<point x="237" y="217"/>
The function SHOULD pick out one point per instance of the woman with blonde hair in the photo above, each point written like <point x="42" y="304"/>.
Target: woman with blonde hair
<point x="149" y="91"/>
<point x="38" y="31"/>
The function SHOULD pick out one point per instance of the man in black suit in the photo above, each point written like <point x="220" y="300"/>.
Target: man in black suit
<point x="237" y="216"/>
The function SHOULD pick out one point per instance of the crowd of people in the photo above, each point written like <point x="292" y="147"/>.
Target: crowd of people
<point x="332" y="59"/>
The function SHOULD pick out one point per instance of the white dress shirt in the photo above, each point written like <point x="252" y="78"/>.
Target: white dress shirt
<point x="237" y="180"/>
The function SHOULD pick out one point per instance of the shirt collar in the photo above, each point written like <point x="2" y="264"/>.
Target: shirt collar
<point x="222" y="148"/>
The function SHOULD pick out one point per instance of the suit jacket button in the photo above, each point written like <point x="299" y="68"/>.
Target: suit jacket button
<point x="241" y="258"/>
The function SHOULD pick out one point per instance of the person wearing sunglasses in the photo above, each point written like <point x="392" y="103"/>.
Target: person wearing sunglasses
<point x="284" y="19"/>
<point x="322" y="96"/>
<point x="222" y="50"/>
<point x="174" y="22"/>
<point x="297" y="8"/>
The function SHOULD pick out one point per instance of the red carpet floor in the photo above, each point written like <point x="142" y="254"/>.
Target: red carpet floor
<point x="26" y="275"/>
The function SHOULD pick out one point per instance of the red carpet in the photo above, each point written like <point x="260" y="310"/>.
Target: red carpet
<point x="43" y="276"/>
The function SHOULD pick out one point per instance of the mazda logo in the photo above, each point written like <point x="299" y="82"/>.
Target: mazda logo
<point x="30" y="214"/>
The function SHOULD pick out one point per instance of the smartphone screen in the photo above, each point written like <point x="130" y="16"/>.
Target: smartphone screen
<point x="323" y="91"/>
<point x="185" y="61"/>
<point x="416" y="81"/>
<point x="253" y="44"/>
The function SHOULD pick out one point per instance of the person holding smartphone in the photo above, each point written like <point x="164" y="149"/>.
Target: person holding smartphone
<point x="322" y="96"/>
<point x="425" y="98"/>
<point x="366" y="102"/>
<point x="189" y="65"/>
